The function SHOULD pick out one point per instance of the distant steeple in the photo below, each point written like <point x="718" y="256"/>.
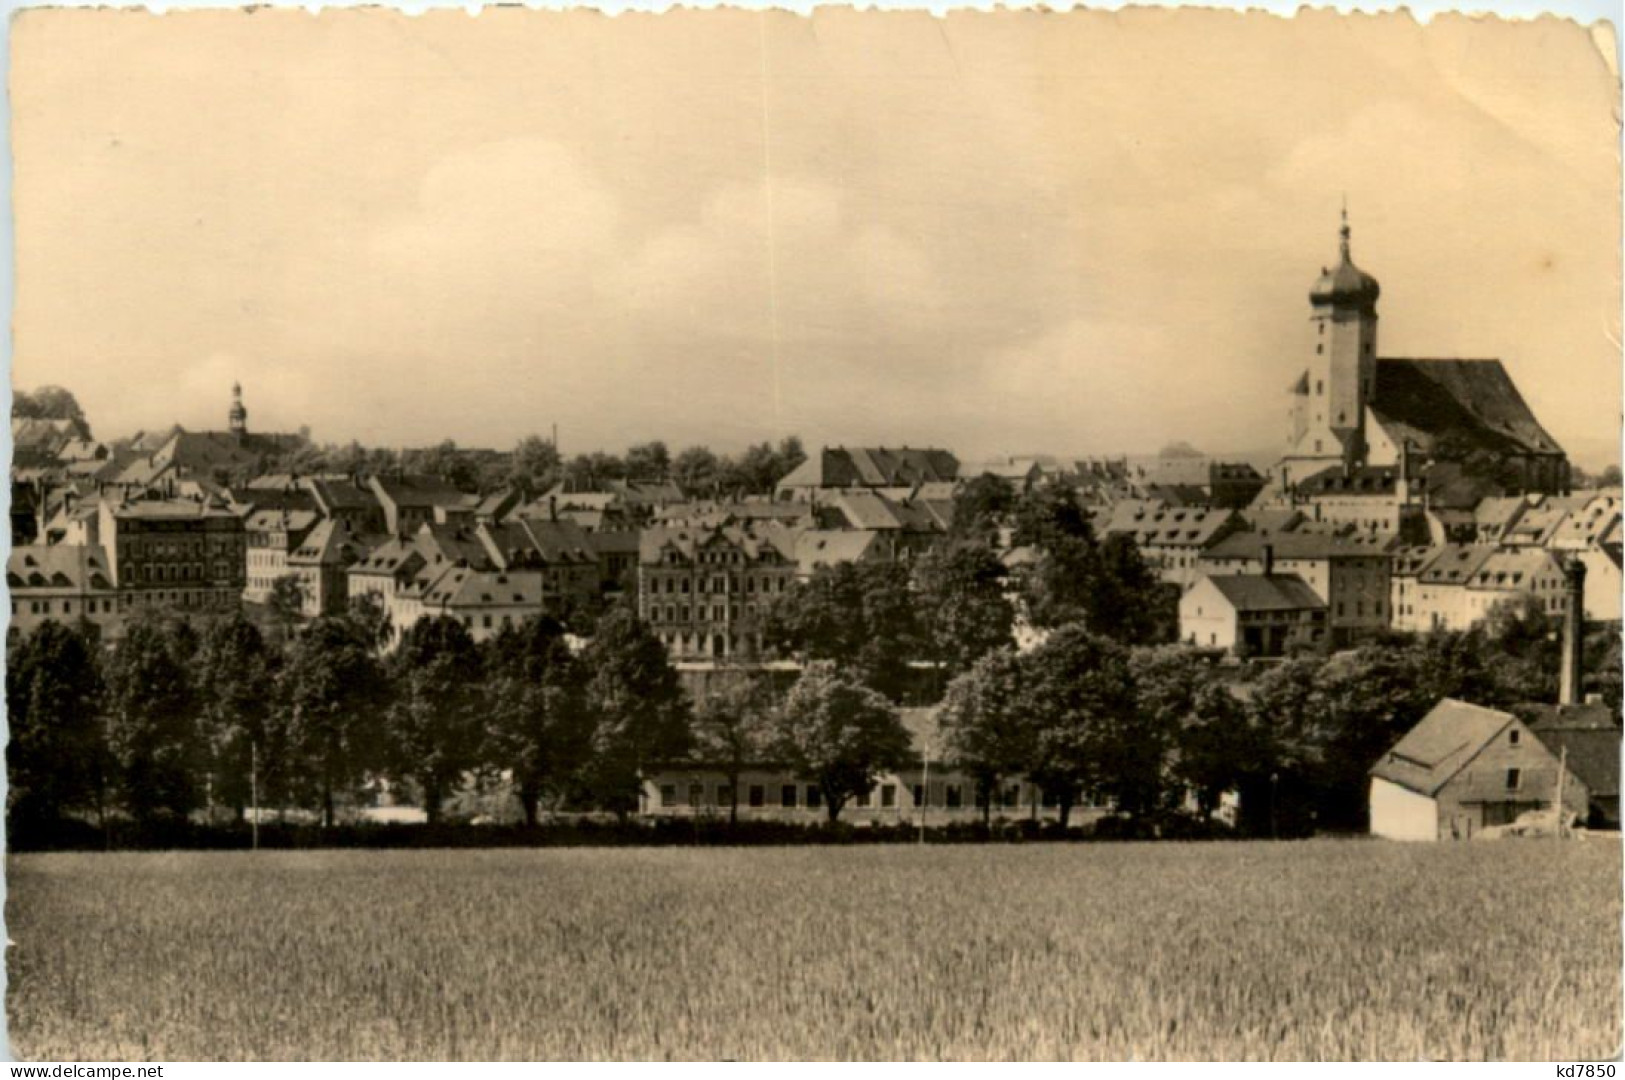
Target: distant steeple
<point x="238" y="417"/>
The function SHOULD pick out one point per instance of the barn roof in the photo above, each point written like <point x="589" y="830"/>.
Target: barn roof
<point x="1440" y="744"/>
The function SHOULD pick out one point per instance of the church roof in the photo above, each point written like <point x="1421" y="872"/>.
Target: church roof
<point x="1475" y="400"/>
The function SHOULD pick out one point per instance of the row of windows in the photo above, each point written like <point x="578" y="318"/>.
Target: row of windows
<point x="91" y="606"/>
<point x="675" y="613"/>
<point x="671" y="586"/>
<point x="182" y="572"/>
<point x="794" y="796"/>
<point x="188" y="547"/>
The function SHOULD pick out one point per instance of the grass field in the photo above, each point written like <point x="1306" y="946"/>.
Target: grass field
<point x="1167" y="951"/>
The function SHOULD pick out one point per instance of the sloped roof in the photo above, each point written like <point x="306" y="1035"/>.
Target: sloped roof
<point x="1515" y="569"/>
<point x="755" y="541"/>
<point x="463" y="588"/>
<point x="1590" y="735"/>
<point x="1440" y="744"/>
<point x="829" y="547"/>
<point x="1425" y="399"/>
<point x="872" y="467"/>
<point x="417" y="490"/>
<point x="1303" y="542"/>
<point x="58" y="566"/>
<point x="1256" y="592"/>
<point x="1151" y="522"/>
<point x="1454" y="564"/>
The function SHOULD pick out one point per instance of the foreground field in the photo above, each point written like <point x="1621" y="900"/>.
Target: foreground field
<point x="1293" y="950"/>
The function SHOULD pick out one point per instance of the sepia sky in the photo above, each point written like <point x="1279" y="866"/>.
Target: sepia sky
<point x="1079" y="233"/>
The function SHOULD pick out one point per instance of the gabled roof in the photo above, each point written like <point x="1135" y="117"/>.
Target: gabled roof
<point x="1424" y="400"/>
<point x="830" y="547"/>
<point x="1302" y="542"/>
<point x="82" y="567"/>
<point x="418" y="491"/>
<point x="1440" y="745"/>
<point x="1151" y="522"/>
<point x="766" y="538"/>
<point x="1454" y="564"/>
<point x="1591" y="737"/>
<point x="872" y="467"/>
<point x="331" y="543"/>
<point x="1256" y="592"/>
<point x="1515" y="569"/>
<point x="462" y="588"/>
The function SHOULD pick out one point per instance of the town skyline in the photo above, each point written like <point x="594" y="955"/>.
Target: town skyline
<point x="968" y="263"/>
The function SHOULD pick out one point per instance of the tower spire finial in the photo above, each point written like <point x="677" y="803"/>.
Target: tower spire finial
<point x="1343" y="232"/>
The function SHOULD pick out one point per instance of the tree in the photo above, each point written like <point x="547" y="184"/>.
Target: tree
<point x="286" y="603"/>
<point x="50" y="403"/>
<point x="539" y="729"/>
<point x="648" y="461"/>
<point x="1127" y="601"/>
<point x="962" y="604"/>
<point x="235" y="685"/>
<point x="335" y="697"/>
<point x="984" y="723"/>
<point x="839" y="734"/>
<point x="535" y="463"/>
<point x="586" y="471"/>
<point x="368" y="620"/>
<point x="695" y="470"/>
<point x="1080" y="703"/>
<point x="1218" y="747"/>
<point x="733" y="729"/>
<point x="982" y="506"/>
<point x="153" y="731"/>
<point x="450" y="464"/>
<point x="57" y="757"/>
<point x="436" y="715"/>
<point x="861" y="616"/>
<point x="641" y="714"/>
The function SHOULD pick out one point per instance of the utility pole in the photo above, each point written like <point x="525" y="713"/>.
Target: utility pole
<point x="925" y="785"/>
<point x="254" y="790"/>
<point x="1562" y="767"/>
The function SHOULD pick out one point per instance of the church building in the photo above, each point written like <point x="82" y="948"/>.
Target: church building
<point x="1351" y="408"/>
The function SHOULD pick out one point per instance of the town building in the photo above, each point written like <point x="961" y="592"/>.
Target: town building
<point x="273" y="535"/>
<point x="1349" y="572"/>
<point x="868" y="467"/>
<point x="1462" y="769"/>
<point x="64" y="583"/>
<point x="321" y="562"/>
<point x="927" y="790"/>
<point x="1252" y="615"/>
<point x="410" y="501"/>
<point x="705" y="590"/>
<point x="1171" y="540"/>
<point x="190" y="554"/>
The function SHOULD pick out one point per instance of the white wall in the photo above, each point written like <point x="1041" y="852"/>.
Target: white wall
<point x="1401" y="814"/>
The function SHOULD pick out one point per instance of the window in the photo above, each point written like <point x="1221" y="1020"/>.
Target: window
<point x="1512" y="737"/>
<point x="696" y="795"/>
<point x="815" y="797"/>
<point x="863" y="799"/>
<point x="1012" y="795"/>
<point x="1320" y="389"/>
<point x="919" y="795"/>
<point x="488" y="622"/>
<point x="787" y="795"/>
<point x="725" y="795"/>
<point x="1514" y="777"/>
<point x="955" y="797"/>
<point x="668" y="794"/>
<point x="888" y="794"/>
<point x="758" y="795"/>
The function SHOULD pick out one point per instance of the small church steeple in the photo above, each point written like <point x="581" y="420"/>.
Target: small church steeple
<point x="238" y="417"/>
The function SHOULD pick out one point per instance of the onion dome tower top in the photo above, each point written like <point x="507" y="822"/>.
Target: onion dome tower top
<point x="1347" y="286"/>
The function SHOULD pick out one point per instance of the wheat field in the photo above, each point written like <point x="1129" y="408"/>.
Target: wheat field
<point x="1312" y="950"/>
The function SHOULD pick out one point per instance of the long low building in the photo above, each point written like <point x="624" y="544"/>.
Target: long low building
<point x="924" y="791"/>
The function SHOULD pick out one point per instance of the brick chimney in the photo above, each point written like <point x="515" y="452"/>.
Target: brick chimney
<point x="1574" y="581"/>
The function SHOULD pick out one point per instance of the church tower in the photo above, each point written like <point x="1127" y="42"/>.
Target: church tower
<point x="1329" y="400"/>
<point x="237" y="419"/>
